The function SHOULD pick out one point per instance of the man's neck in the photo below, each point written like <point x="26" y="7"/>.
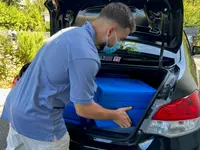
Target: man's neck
<point x="99" y="27"/>
<point x="95" y="27"/>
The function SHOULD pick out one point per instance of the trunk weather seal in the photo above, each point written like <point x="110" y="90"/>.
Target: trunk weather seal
<point x="161" y="56"/>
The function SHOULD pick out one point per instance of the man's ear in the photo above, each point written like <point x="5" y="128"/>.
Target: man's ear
<point x="110" y="30"/>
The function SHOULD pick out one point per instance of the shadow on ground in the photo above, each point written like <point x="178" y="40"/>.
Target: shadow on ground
<point x="4" y="127"/>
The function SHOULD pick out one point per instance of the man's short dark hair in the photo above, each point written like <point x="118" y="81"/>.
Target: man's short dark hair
<point x="120" y="13"/>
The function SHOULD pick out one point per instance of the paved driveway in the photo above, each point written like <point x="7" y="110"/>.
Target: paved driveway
<point x="197" y="61"/>
<point x="4" y="126"/>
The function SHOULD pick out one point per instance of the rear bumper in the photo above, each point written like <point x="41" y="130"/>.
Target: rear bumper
<point x="76" y="146"/>
<point x="186" y="142"/>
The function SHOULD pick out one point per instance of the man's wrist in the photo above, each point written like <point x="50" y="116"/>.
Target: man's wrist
<point x="113" y="115"/>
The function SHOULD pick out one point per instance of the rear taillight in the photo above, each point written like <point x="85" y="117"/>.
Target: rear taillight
<point x="183" y="109"/>
<point x="176" y="118"/>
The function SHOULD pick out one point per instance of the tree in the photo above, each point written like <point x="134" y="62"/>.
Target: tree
<point x="28" y="45"/>
<point x="36" y="21"/>
<point x="40" y="5"/>
<point x="192" y="14"/>
<point x="27" y="19"/>
<point x="12" y="2"/>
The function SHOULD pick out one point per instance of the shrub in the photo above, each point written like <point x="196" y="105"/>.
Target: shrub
<point x="28" y="45"/>
<point x="47" y="27"/>
<point x="14" y="54"/>
<point x="35" y="19"/>
<point x="8" y="61"/>
<point x="27" y="19"/>
<point x="191" y="13"/>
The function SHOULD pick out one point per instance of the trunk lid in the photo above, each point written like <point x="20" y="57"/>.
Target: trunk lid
<point x="161" y="26"/>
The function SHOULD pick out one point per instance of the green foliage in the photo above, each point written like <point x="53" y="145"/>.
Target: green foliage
<point x="28" y="45"/>
<point x="192" y="15"/>
<point x="11" y="18"/>
<point x="12" y="2"/>
<point x="129" y="46"/>
<point x="36" y="21"/>
<point x="40" y="5"/>
<point x="15" y="54"/>
<point x="47" y="27"/>
<point x="27" y="19"/>
<point x="8" y="60"/>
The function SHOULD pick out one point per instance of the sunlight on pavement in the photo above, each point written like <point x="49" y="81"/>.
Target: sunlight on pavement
<point x="3" y="95"/>
<point x="197" y="61"/>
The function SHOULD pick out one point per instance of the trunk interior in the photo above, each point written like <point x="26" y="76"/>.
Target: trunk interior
<point x="152" y="77"/>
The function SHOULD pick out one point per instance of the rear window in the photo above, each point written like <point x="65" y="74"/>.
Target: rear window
<point x="139" y="54"/>
<point x="131" y="48"/>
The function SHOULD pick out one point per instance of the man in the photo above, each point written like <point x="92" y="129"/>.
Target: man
<point x="64" y="70"/>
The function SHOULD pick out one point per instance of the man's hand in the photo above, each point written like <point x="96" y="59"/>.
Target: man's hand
<point x="123" y="119"/>
<point x="95" y="111"/>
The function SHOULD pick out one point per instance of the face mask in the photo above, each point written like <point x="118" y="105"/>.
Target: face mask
<point x="109" y="50"/>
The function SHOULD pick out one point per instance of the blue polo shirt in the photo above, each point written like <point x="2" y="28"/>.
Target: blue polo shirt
<point x="63" y="70"/>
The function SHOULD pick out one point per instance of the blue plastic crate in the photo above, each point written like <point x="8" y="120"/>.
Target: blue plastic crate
<point x="134" y="114"/>
<point x="71" y="121"/>
<point x="113" y="93"/>
<point x="70" y="112"/>
<point x="70" y="116"/>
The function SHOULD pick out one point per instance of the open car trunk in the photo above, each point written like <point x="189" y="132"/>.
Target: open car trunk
<point x="149" y="81"/>
<point x="136" y="76"/>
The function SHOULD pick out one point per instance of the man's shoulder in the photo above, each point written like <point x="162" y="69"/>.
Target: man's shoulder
<point x="80" y="42"/>
<point x="73" y="31"/>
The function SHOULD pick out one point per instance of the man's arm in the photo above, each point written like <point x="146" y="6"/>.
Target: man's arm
<point x="95" y="111"/>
